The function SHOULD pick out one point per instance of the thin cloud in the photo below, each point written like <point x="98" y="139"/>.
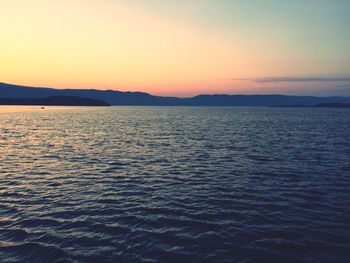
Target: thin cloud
<point x="296" y="79"/>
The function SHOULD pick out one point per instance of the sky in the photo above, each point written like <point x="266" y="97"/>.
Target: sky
<point x="178" y="47"/>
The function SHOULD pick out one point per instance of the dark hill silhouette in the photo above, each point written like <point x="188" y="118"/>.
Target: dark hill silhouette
<point x="141" y="98"/>
<point x="322" y="105"/>
<point x="53" y="101"/>
<point x="333" y="105"/>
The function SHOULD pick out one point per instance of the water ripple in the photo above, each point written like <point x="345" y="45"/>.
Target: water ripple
<point x="175" y="184"/>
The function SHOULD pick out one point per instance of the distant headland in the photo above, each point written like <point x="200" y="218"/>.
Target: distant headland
<point x="321" y="105"/>
<point x="53" y="101"/>
<point x="112" y="97"/>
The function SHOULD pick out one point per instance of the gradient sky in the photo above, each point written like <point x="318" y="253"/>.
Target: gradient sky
<point x="181" y="48"/>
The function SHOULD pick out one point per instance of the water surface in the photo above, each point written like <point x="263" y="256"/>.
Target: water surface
<point x="174" y="184"/>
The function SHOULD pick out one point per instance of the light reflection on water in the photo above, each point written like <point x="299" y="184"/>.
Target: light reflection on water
<point x="174" y="184"/>
<point x="21" y="108"/>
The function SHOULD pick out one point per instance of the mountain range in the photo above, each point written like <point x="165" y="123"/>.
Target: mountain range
<point x="141" y="98"/>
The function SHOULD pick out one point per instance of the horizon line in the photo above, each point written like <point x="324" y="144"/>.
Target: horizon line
<point x="200" y="94"/>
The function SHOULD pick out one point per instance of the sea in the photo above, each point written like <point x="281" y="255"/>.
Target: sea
<point x="174" y="184"/>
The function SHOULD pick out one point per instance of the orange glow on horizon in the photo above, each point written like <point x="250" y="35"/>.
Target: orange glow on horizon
<point x="104" y="44"/>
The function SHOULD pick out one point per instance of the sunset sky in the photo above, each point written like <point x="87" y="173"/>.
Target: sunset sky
<point x="181" y="48"/>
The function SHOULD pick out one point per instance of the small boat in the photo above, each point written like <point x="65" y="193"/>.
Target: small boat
<point x="42" y="108"/>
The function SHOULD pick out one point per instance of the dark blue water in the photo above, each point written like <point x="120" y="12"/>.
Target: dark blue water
<point x="168" y="184"/>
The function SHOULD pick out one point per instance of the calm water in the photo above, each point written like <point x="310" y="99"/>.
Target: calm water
<point x="174" y="184"/>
